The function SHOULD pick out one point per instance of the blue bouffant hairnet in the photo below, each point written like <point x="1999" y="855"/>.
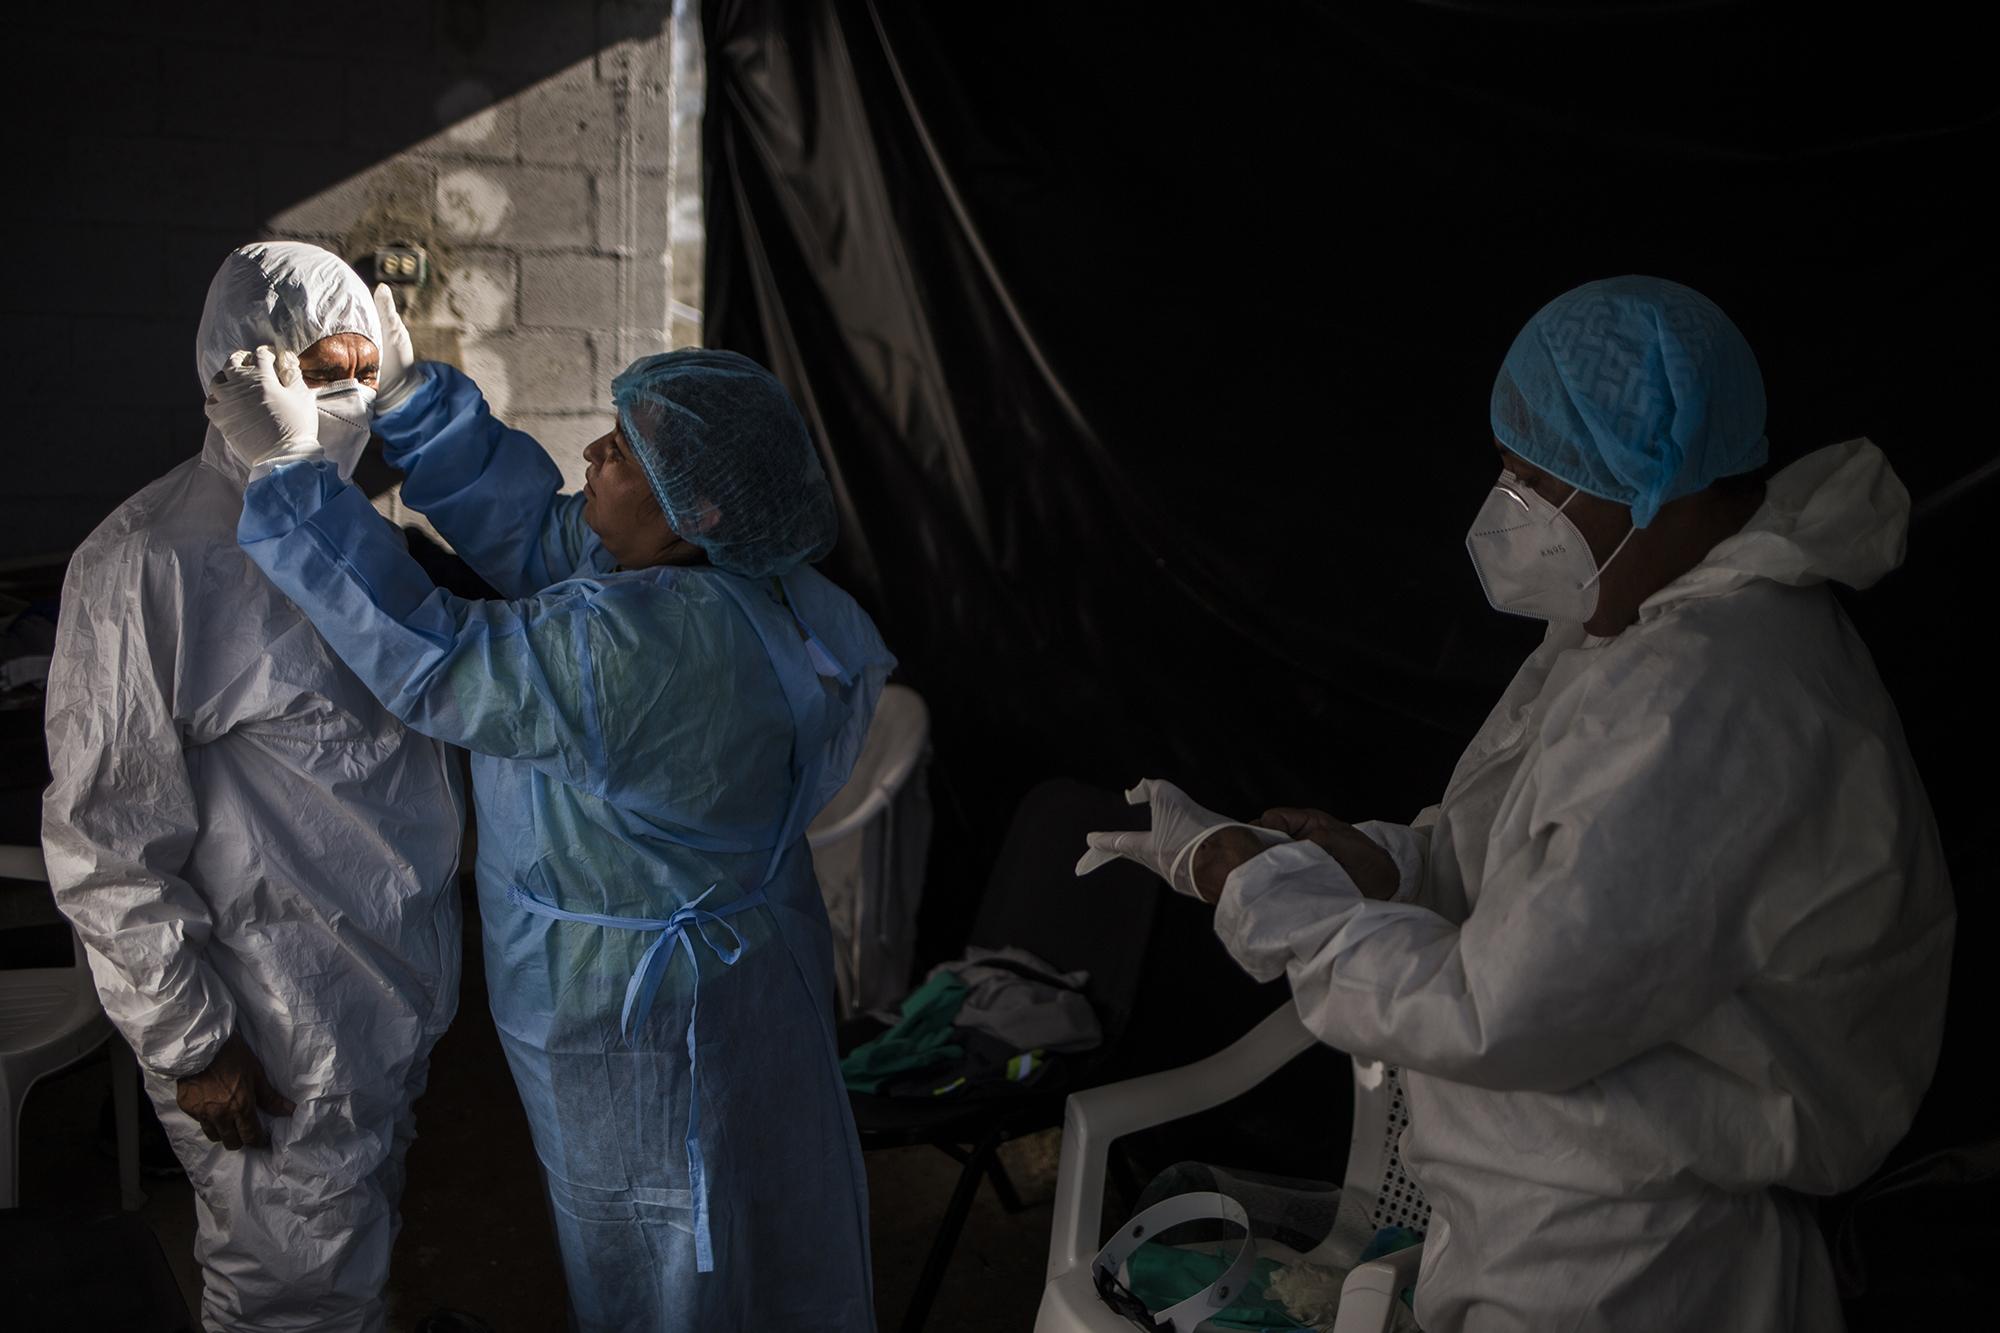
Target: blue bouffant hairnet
<point x="729" y="458"/>
<point x="1638" y="390"/>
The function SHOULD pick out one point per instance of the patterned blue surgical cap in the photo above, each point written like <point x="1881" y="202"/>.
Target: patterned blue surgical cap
<point x="1638" y="390"/>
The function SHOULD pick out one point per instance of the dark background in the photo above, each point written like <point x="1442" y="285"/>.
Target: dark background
<point x="1151" y="348"/>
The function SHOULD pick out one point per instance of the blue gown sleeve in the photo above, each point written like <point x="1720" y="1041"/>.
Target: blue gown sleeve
<point x="492" y="491"/>
<point x="512" y="679"/>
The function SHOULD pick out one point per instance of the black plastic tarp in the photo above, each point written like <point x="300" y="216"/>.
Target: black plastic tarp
<point x="1150" y="345"/>
<point x="1150" y="349"/>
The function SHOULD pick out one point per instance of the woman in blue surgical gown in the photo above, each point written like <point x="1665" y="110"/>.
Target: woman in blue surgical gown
<point x="666" y="698"/>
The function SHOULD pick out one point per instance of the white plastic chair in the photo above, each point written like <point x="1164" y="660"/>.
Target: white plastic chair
<point x="869" y="846"/>
<point x="50" y="1018"/>
<point x="1374" y="1178"/>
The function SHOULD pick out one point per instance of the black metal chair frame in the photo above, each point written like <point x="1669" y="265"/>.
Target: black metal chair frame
<point x="1030" y="903"/>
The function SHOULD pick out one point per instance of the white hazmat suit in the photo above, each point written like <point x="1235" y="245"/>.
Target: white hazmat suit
<point x="248" y="842"/>
<point x="1671" y="952"/>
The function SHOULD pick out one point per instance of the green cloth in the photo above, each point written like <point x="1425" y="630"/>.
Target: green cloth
<point x="921" y="1038"/>
<point x="1162" y="1275"/>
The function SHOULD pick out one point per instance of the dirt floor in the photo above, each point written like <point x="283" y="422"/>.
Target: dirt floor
<point x="475" y="1237"/>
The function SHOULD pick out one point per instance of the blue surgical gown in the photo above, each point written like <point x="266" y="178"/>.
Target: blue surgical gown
<point x="641" y="740"/>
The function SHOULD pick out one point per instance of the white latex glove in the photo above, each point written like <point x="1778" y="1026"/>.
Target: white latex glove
<point x="396" y="383"/>
<point x="1167" y="849"/>
<point x="264" y="409"/>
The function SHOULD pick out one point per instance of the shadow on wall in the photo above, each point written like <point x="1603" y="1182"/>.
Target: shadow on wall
<point x="524" y="145"/>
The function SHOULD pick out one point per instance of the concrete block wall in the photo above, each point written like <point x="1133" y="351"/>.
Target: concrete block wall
<point x="544" y="152"/>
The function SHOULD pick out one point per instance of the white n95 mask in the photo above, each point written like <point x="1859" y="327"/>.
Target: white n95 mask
<point x="1532" y="560"/>
<point x="344" y="419"/>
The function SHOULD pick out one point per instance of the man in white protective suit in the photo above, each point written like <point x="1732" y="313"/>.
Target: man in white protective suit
<point x="1670" y="955"/>
<point x="259" y="858"/>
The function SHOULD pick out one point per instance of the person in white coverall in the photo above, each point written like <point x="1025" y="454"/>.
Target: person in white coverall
<point x="1670" y="955"/>
<point x="259" y="858"/>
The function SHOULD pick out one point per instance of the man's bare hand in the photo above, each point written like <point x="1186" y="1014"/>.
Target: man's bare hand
<point x="1372" y="869"/>
<point x="224" y="1098"/>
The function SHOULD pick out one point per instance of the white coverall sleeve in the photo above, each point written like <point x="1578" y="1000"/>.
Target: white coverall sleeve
<point x="117" y="825"/>
<point x="1623" y="909"/>
<point x="1409" y="845"/>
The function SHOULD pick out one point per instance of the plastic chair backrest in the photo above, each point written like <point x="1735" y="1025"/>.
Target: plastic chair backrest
<point x="1034" y="901"/>
<point x="898" y="739"/>
<point x="870" y="847"/>
<point x="1375" y="1174"/>
<point x="24" y="865"/>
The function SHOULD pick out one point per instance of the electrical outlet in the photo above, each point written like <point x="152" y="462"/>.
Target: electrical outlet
<point x="402" y="265"/>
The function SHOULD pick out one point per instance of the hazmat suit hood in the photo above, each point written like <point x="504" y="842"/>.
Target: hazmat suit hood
<point x="1838" y="514"/>
<point x="284" y="293"/>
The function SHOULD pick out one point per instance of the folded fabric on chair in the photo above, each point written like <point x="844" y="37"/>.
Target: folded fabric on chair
<point x="985" y="1067"/>
<point x="922" y="1038"/>
<point x="1022" y="1000"/>
<point x="988" y="1024"/>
